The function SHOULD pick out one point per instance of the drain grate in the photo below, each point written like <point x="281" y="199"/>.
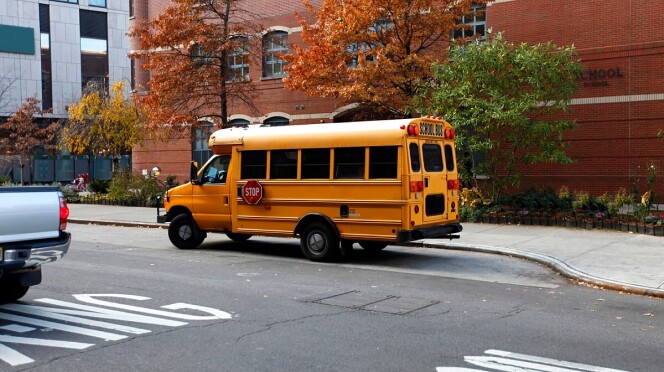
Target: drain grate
<point x="377" y="302"/>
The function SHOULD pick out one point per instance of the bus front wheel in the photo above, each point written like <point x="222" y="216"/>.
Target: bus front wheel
<point x="184" y="233"/>
<point x="319" y="243"/>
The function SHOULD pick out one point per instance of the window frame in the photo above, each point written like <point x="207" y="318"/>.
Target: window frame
<point x="271" y="50"/>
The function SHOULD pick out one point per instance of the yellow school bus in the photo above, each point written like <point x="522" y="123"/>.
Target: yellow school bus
<point x="330" y="185"/>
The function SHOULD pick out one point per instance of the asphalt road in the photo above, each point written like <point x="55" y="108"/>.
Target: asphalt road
<point x="125" y="299"/>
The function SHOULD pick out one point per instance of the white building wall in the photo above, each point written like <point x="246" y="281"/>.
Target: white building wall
<point x="24" y="71"/>
<point x="19" y="73"/>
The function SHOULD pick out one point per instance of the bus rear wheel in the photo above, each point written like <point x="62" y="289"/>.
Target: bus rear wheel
<point x="184" y="233"/>
<point x="371" y="246"/>
<point x="319" y="243"/>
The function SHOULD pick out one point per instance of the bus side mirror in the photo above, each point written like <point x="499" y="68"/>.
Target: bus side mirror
<point x="193" y="173"/>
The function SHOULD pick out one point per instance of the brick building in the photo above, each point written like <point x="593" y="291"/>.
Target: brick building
<point x="619" y="107"/>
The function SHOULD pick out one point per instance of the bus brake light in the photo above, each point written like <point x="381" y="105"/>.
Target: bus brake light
<point x="453" y="184"/>
<point x="449" y="133"/>
<point x="416" y="186"/>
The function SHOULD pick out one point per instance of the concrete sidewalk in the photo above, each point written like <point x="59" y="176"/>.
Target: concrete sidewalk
<point x="615" y="260"/>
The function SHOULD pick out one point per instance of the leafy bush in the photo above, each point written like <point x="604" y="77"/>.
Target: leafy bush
<point x="133" y="188"/>
<point x="71" y="196"/>
<point x="99" y="186"/>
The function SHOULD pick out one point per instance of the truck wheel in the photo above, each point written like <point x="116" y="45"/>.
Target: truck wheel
<point x="371" y="246"/>
<point x="319" y="243"/>
<point x="12" y="290"/>
<point x="238" y="237"/>
<point x="184" y="233"/>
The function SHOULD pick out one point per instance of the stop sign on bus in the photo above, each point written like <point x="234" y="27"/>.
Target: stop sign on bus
<point x="252" y="192"/>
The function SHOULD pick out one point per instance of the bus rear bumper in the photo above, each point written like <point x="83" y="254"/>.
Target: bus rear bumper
<point x="433" y="232"/>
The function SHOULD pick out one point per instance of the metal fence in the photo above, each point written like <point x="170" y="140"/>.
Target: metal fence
<point x="61" y="168"/>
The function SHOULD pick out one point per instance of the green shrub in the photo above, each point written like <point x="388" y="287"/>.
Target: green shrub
<point x="133" y="188"/>
<point x="99" y="186"/>
<point x="71" y="196"/>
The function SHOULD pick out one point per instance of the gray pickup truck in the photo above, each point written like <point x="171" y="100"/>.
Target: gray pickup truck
<point x="32" y="224"/>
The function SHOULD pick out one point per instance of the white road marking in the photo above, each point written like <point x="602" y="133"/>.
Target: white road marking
<point x="48" y="312"/>
<point x="102" y="313"/>
<point x="507" y="361"/>
<point x="106" y="336"/>
<point x="80" y="314"/>
<point x="216" y="314"/>
<point x="554" y="362"/>
<point x="13" y="357"/>
<point x="90" y="298"/>
<point x="17" y="328"/>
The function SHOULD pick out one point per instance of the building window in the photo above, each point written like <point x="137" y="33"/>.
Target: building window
<point x="474" y="24"/>
<point x="67" y="1"/>
<point x="356" y="50"/>
<point x="45" y="34"/>
<point x="132" y="74"/>
<point x="199" y="55"/>
<point x="238" y="60"/>
<point x="131" y="8"/>
<point x="94" y="50"/>
<point x="241" y="123"/>
<point x="97" y="3"/>
<point x="201" y="152"/>
<point x="274" y="44"/>
<point x="275" y="121"/>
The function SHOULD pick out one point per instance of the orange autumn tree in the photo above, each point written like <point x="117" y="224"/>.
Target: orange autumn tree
<point x="373" y="52"/>
<point x="187" y="50"/>
<point x="23" y="136"/>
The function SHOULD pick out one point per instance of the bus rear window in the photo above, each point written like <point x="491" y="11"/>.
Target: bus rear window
<point x="254" y="164"/>
<point x="433" y="157"/>
<point x="449" y="158"/>
<point x="414" y="156"/>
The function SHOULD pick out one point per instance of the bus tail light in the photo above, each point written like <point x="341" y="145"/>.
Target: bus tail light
<point x="416" y="186"/>
<point x="453" y="184"/>
<point x="64" y="213"/>
<point x="413" y="130"/>
<point x="449" y="133"/>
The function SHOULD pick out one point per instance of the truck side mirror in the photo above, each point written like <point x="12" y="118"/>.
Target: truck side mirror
<point x="193" y="173"/>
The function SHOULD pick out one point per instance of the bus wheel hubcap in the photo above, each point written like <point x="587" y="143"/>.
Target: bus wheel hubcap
<point x="317" y="242"/>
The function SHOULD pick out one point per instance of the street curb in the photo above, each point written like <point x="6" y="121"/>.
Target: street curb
<point x="119" y="223"/>
<point x="553" y="263"/>
<point x="549" y="261"/>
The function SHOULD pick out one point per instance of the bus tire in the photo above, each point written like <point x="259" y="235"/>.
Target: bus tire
<point x="319" y="243"/>
<point x="372" y="246"/>
<point x="184" y="233"/>
<point x="238" y="237"/>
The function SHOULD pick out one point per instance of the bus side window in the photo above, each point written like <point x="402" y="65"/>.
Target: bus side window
<point x="414" y="151"/>
<point x="433" y="157"/>
<point x="383" y="162"/>
<point x="254" y="164"/>
<point x="283" y="164"/>
<point x="349" y="163"/>
<point x="449" y="158"/>
<point x="315" y="164"/>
